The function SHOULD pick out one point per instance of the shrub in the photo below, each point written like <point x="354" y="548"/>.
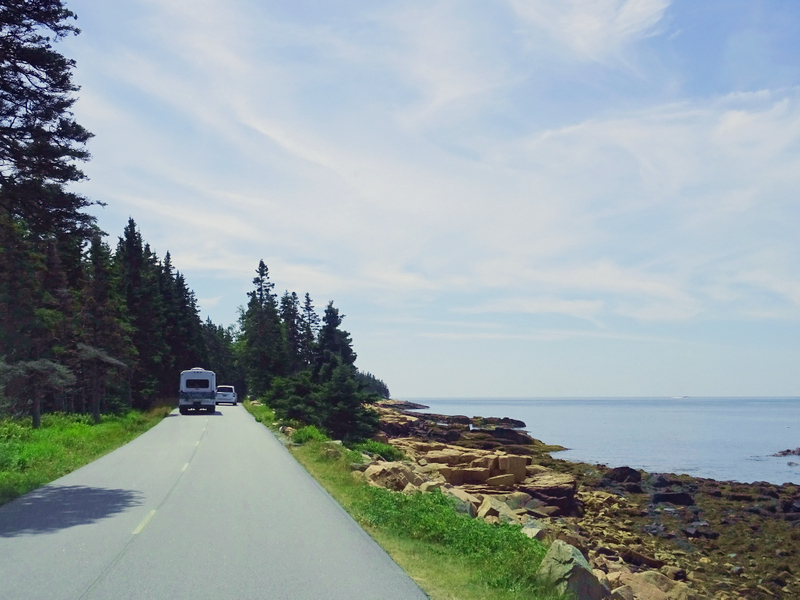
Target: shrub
<point x="384" y="450"/>
<point x="308" y="434"/>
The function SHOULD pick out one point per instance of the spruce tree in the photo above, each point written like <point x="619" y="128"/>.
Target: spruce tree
<point x="40" y="141"/>
<point x="261" y="335"/>
<point x="21" y="265"/>
<point x="140" y="288"/>
<point x="333" y="341"/>
<point x="291" y="328"/>
<point x="309" y="326"/>
<point x="105" y="347"/>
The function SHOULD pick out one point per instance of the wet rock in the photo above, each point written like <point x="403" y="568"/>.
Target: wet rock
<point x="674" y="573"/>
<point x="632" y="557"/>
<point x="452" y="435"/>
<point x="792" y="517"/>
<point x="660" y="480"/>
<point x="401" y="404"/>
<point x="700" y="529"/>
<point x="505" y="434"/>
<point x="739" y="497"/>
<point x="504" y="421"/>
<point x="795" y="452"/>
<point x="570" y="573"/>
<point x="790" y="506"/>
<point x="678" y="498"/>
<point x="623" y="475"/>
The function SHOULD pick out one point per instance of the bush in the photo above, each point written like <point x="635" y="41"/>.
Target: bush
<point x="332" y="400"/>
<point x="384" y="450"/>
<point x="308" y="434"/>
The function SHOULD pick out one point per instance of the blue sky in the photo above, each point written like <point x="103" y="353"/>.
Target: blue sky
<point x="517" y="198"/>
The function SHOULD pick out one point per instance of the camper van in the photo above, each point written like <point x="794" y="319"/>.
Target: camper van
<point x="198" y="391"/>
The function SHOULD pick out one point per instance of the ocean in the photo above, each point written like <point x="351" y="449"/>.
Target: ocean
<point x="718" y="438"/>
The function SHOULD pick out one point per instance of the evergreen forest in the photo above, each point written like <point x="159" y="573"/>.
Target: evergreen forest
<point x="91" y="326"/>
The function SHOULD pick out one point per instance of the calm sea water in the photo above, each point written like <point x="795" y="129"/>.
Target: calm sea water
<point x="718" y="438"/>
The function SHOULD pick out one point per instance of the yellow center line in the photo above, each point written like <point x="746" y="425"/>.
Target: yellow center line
<point x="144" y="522"/>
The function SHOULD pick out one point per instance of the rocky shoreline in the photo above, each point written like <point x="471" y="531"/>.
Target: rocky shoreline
<point x="642" y="536"/>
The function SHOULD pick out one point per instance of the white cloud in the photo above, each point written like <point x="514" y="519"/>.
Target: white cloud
<point x="622" y="214"/>
<point x="596" y="30"/>
<point x="582" y="309"/>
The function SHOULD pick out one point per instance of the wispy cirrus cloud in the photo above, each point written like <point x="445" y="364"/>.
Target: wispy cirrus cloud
<point x="597" y="30"/>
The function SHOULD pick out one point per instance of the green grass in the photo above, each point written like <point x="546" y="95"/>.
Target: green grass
<point x="385" y="451"/>
<point x="262" y="413"/>
<point x="30" y="458"/>
<point x="450" y="555"/>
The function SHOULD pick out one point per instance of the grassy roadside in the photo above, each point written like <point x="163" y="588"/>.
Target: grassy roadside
<point x="448" y="554"/>
<point x="30" y="458"/>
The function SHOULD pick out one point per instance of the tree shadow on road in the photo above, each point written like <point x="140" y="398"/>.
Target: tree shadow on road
<point x="55" y="507"/>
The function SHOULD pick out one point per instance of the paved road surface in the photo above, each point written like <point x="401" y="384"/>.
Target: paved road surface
<point x="201" y="506"/>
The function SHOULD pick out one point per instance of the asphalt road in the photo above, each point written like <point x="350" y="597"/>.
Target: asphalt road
<point x="201" y="506"/>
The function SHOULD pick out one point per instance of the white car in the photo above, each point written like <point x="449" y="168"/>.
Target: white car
<point x="226" y="393"/>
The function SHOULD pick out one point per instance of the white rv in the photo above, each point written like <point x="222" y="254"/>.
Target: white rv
<point x="198" y="391"/>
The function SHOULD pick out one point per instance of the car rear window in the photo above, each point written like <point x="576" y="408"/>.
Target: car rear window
<point x="225" y="389"/>
<point x="198" y="383"/>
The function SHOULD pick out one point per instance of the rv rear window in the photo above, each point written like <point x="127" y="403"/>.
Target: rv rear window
<point x="198" y="383"/>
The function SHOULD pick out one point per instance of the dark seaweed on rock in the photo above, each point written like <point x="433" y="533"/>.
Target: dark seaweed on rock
<point x="795" y="452"/>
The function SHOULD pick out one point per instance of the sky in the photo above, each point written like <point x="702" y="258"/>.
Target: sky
<point x="516" y="198"/>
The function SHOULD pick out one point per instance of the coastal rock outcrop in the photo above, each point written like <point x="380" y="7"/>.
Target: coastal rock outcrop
<point x="795" y="452"/>
<point x="649" y="536"/>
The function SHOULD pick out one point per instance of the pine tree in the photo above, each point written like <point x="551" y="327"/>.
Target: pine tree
<point x="309" y="327"/>
<point x="139" y="286"/>
<point x="105" y="348"/>
<point x="21" y="265"/>
<point x="333" y="341"/>
<point x="39" y="139"/>
<point x="330" y="395"/>
<point x="183" y="329"/>
<point x="291" y="328"/>
<point x="261" y="335"/>
<point x="346" y="414"/>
